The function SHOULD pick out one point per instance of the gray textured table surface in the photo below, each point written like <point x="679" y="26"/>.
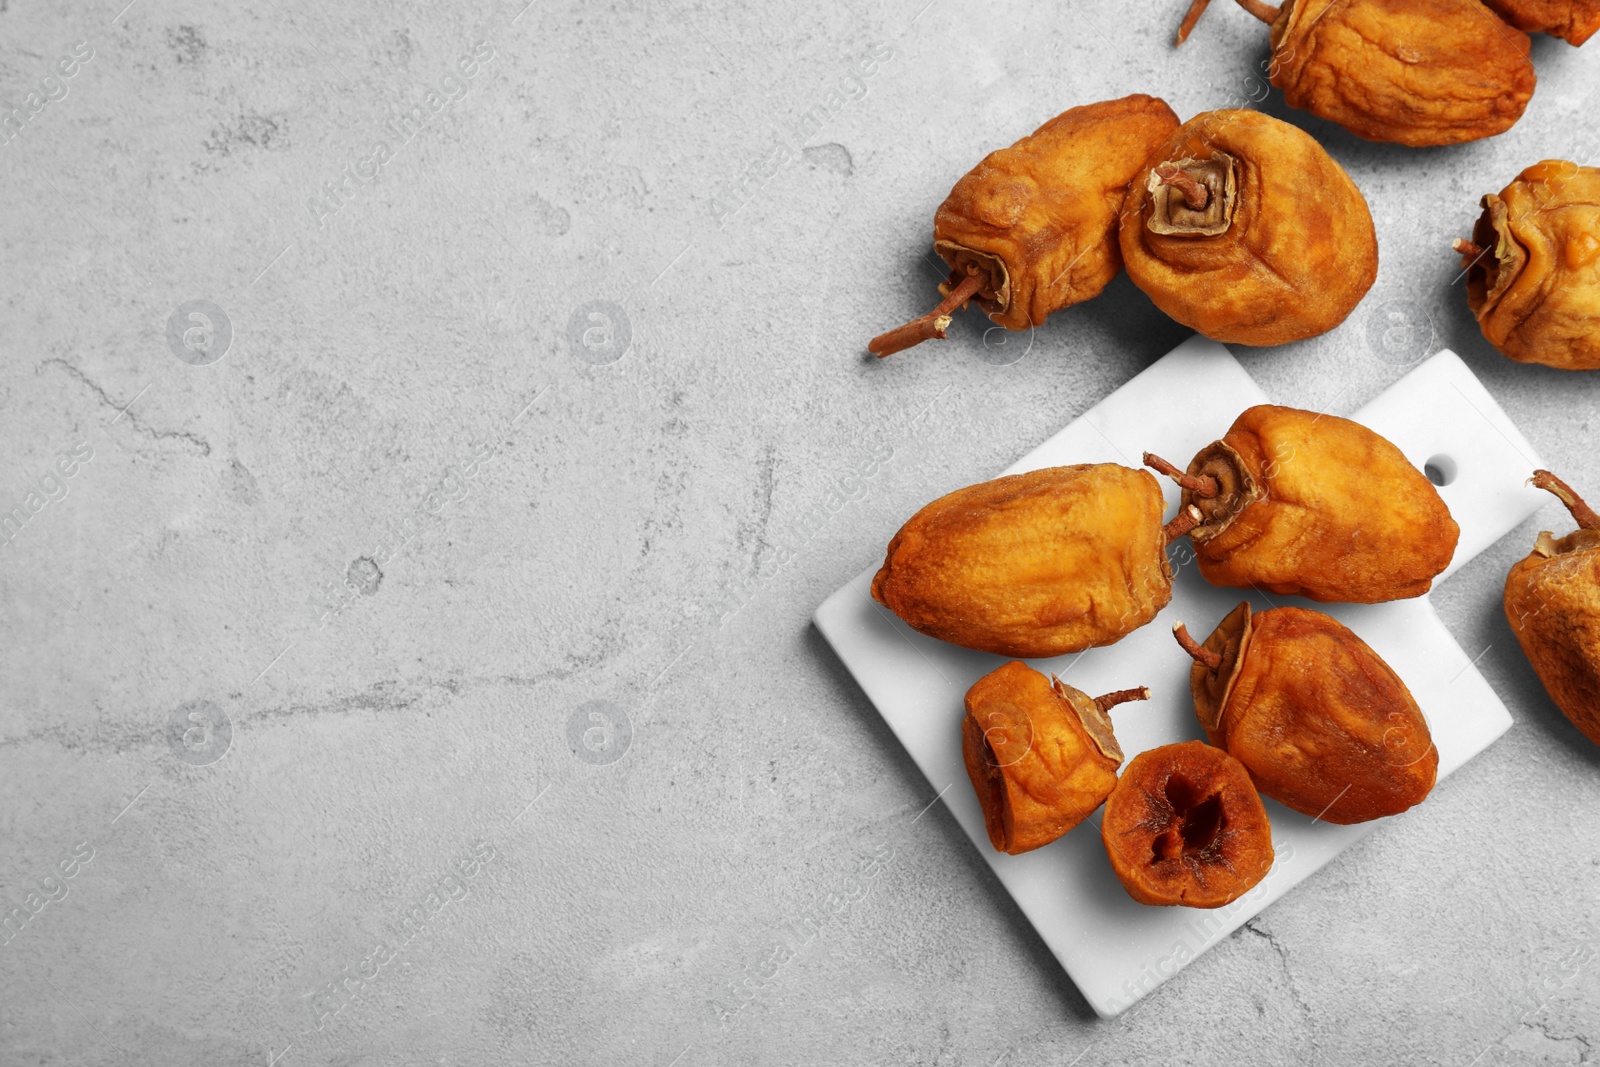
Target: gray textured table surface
<point x="302" y="663"/>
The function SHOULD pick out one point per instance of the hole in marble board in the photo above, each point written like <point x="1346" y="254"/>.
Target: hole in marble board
<point x="1441" y="470"/>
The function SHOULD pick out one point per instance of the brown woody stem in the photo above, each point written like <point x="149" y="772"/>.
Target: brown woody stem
<point x="1182" y="523"/>
<point x="1467" y="248"/>
<point x="1581" y="512"/>
<point x="1121" y="696"/>
<point x="1193" y="647"/>
<point x="1195" y="195"/>
<point x="1265" y="12"/>
<point x="1200" y="485"/>
<point x="1190" y="17"/>
<point x="929" y="326"/>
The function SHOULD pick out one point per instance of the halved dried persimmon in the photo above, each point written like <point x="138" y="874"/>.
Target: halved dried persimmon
<point x="1041" y="754"/>
<point x="1185" y="826"/>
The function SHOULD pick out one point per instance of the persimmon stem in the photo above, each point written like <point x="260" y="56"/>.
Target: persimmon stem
<point x="1194" y="648"/>
<point x="1581" y="512"/>
<point x="1201" y="485"/>
<point x="1182" y="523"/>
<point x="1196" y="195"/>
<point x="929" y="326"/>
<point x="1467" y="248"/>
<point x="1190" y="17"/>
<point x="1263" y="11"/>
<point x="1121" y="696"/>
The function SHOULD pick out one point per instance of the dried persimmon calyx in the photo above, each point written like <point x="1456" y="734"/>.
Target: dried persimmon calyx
<point x="1506" y="255"/>
<point x="1220" y="657"/>
<point x="1220" y="485"/>
<point x="994" y="289"/>
<point x="1193" y="197"/>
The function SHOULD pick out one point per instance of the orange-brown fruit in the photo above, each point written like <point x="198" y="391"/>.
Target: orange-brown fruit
<point x="1033" y="565"/>
<point x="1414" y="72"/>
<point x="1533" y="267"/>
<point x="1552" y="602"/>
<point x="1031" y="229"/>
<point x="1314" y="505"/>
<point x="1573" y="20"/>
<point x="1321" y="721"/>
<point x="1041" y="754"/>
<point x="1184" y="826"/>
<point x="1243" y="228"/>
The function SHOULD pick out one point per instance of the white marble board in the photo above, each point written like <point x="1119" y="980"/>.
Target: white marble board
<point x="1117" y="951"/>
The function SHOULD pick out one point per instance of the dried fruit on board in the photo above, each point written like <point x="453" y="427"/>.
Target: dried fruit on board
<point x="1031" y="229"/>
<point x="1574" y="20"/>
<point x="1313" y="505"/>
<point x="1041" y="755"/>
<point x="1034" y="565"/>
<point x="1321" y="721"/>
<point x="1243" y="228"/>
<point x="1552" y="602"/>
<point x="1414" y="72"/>
<point x="1533" y="266"/>
<point x="1184" y="826"/>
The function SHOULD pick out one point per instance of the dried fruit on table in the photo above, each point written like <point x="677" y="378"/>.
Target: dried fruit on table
<point x="1319" y="719"/>
<point x="1573" y="20"/>
<point x="1041" y="755"/>
<point x="1033" y="565"/>
<point x="1031" y="229"/>
<point x="1533" y="267"/>
<point x="1184" y="826"/>
<point x="1243" y="228"/>
<point x="1313" y="505"/>
<point x="1552" y="601"/>
<point x="1414" y="72"/>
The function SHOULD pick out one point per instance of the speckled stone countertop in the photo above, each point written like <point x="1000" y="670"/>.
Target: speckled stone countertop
<point x="467" y="407"/>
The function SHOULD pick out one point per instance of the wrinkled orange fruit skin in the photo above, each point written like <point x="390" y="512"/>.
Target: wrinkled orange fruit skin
<point x="1573" y="20"/>
<point x="1339" y="514"/>
<point x="1036" y="770"/>
<point x="1033" y="565"/>
<point x="1046" y="208"/>
<point x="1536" y="291"/>
<point x="1142" y="828"/>
<point x="1299" y="255"/>
<point x="1552" y="601"/>
<point x="1323" y="724"/>
<point x="1413" y="72"/>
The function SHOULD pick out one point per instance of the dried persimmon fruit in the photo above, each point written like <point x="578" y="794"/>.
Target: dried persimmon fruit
<point x="1314" y="505"/>
<point x="1552" y="601"/>
<point x="1573" y="20"/>
<point x="1242" y="227"/>
<point x="1412" y="72"/>
<point x="1185" y="826"/>
<point x="1533" y="267"/>
<point x="1323" y="724"/>
<point x="1033" y="565"/>
<point x="1032" y="228"/>
<point x="1041" y="755"/>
